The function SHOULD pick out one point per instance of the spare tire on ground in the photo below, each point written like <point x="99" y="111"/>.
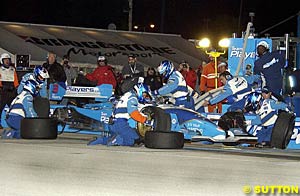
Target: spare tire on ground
<point x="283" y="130"/>
<point x="164" y="140"/>
<point x="39" y="128"/>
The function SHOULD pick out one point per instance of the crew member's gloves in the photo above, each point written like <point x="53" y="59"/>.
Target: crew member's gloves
<point x="155" y="93"/>
<point x="159" y="100"/>
<point x="149" y="123"/>
<point x="202" y="93"/>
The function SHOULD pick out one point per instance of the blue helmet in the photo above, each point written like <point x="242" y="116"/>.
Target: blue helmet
<point x="31" y="86"/>
<point x="143" y="93"/>
<point x="40" y="74"/>
<point x="166" y="68"/>
<point x="253" y="102"/>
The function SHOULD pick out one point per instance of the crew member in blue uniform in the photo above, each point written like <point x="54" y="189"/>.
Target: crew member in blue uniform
<point x="39" y="74"/>
<point x="175" y="86"/>
<point x="21" y="107"/>
<point x="125" y="116"/>
<point x="267" y="113"/>
<point x="269" y="65"/>
<point x="235" y="90"/>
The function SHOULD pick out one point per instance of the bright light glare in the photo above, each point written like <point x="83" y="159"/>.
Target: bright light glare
<point x="135" y="27"/>
<point x="292" y="81"/>
<point x="152" y="26"/>
<point x="204" y="43"/>
<point x="224" y="43"/>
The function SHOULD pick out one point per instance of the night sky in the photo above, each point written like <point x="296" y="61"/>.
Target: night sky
<point x="190" y="18"/>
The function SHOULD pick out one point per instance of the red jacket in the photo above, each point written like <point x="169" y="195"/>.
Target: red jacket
<point x="190" y="77"/>
<point x="103" y="75"/>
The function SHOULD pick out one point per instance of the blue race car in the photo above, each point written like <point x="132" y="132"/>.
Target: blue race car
<point x="173" y="125"/>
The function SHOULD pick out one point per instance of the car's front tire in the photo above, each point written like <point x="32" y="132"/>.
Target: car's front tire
<point x="283" y="130"/>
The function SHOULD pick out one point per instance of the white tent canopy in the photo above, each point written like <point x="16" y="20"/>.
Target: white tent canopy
<point x="84" y="45"/>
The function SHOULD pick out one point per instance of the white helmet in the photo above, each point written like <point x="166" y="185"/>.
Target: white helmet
<point x="102" y="59"/>
<point x="4" y="56"/>
<point x="264" y="44"/>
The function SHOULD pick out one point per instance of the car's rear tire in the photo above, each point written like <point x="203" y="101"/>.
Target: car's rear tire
<point x="39" y="128"/>
<point x="162" y="120"/>
<point x="41" y="106"/>
<point x="283" y="130"/>
<point x="164" y="140"/>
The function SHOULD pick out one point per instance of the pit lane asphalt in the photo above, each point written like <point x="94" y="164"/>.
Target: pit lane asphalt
<point x="67" y="166"/>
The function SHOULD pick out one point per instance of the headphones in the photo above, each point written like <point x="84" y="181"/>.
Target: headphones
<point x="226" y="75"/>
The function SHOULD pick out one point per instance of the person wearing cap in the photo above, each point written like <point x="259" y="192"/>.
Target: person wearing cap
<point x="133" y="69"/>
<point x="103" y="74"/>
<point x="222" y="67"/>
<point x="234" y="91"/>
<point x="266" y="116"/>
<point x="208" y="83"/>
<point x="71" y="73"/>
<point x="269" y="65"/>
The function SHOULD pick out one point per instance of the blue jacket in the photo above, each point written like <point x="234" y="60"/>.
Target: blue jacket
<point x="267" y="114"/>
<point x="126" y="105"/>
<point x="22" y="105"/>
<point x="30" y="76"/>
<point x="176" y="85"/>
<point x="237" y="87"/>
<point x="270" y="66"/>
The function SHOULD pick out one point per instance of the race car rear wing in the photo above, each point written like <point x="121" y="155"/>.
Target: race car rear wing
<point x="100" y="93"/>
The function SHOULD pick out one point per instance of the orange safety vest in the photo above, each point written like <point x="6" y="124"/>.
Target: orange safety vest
<point x="208" y="78"/>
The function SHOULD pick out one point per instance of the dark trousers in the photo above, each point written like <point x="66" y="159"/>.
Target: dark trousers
<point x="6" y="97"/>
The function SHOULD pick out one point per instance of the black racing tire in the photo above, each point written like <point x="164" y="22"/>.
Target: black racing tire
<point x="164" y="140"/>
<point x="230" y="143"/>
<point x="283" y="130"/>
<point x="39" y="128"/>
<point x="162" y="120"/>
<point x="128" y="84"/>
<point x="41" y="106"/>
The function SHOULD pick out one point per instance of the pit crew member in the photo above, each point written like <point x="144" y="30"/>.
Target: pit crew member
<point x="267" y="112"/>
<point x="235" y="89"/>
<point x="21" y="107"/>
<point x="176" y="85"/>
<point x="269" y="65"/>
<point x="39" y="74"/>
<point x="126" y="110"/>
